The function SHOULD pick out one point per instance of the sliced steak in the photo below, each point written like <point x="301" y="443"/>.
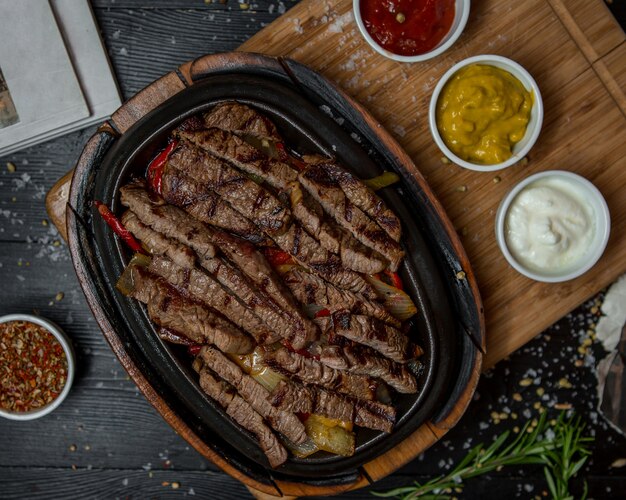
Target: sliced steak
<point x="288" y="324"/>
<point x="290" y="396"/>
<point x="243" y="194"/>
<point x="362" y="196"/>
<point x="156" y="243"/>
<point x="229" y="147"/>
<point x="334" y="238"/>
<point x="173" y="222"/>
<point x="308" y="252"/>
<point x="385" y="339"/>
<point x="321" y="185"/>
<point x="242" y="413"/>
<point x="241" y="119"/>
<point x="168" y="309"/>
<point x="205" y="205"/>
<point x="255" y="394"/>
<point x="364" y="361"/>
<point x="311" y="371"/>
<point x="175" y="337"/>
<point x="310" y="289"/>
<point x="204" y="288"/>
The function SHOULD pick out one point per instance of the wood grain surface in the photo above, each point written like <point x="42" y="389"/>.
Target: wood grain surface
<point x="106" y="441"/>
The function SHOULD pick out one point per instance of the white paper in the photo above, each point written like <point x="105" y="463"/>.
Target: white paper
<point x="38" y="72"/>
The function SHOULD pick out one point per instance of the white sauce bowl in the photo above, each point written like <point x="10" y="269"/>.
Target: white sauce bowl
<point x="521" y="149"/>
<point x="71" y="367"/>
<point x="602" y="227"/>
<point x="461" y="13"/>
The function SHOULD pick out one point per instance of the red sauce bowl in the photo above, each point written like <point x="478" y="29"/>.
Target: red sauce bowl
<point x="386" y="30"/>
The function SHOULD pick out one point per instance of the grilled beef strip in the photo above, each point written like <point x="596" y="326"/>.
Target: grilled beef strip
<point x="320" y="184"/>
<point x="203" y="288"/>
<point x="158" y="244"/>
<point x="205" y="205"/>
<point x="290" y="396"/>
<point x="311" y="289"/>
<point x="176" y="224"/>
<point x="334" y="238"/>
<point x="174" y="337"/>
<point x="311" y="371"/>
<point x="168" y="309"/>
<point x="229" y="147"/>
<point x="387" y="340"/>
<point x="308" y="252"/>
<point x="243" y="194"/>
<point x="364" y="361"/>
<point x="361" y="195"/>
<point x="242" y="413"/>
<point x="240" y="119"/>
<point x="255" y="395"/>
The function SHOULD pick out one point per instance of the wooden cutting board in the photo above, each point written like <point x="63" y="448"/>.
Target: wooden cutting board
<point x="577" y="53"/>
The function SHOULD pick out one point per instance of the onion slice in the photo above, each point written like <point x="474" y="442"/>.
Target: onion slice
<point x="396" y="301"/>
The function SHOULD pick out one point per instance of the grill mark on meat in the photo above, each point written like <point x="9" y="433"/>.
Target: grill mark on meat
<point x="290" y="396"/>
<point x="156" y="243"/>
<point x="207" y="290"/>
<point x="182" y="191"/>
<point x="334" y="238"/>
<point x="361" y="196"/>
<point x="241" y="119"/>
<point x="168" y="309"/>
<point x="254" y="394"/>
<point x="385" y="339"/>
<point x="311" y="255"/>
<point x="364" y="361"/>
<point x="243" y="414"/>
<point x="153" y="211"/>
<point x="244" y="195"/>
<point x="311" y="371"/>
<point x="233" y="149"/>
<point x="324" y="190"/>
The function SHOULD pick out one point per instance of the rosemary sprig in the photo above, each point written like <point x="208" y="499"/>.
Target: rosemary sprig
<point x="562" y="452"/>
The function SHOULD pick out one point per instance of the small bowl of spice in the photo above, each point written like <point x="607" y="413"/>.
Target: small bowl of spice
<point x="553" y="226"/>
<point x="37" y="364"/>
<point x="411" y="30"/>
<point x="486" y="113"/>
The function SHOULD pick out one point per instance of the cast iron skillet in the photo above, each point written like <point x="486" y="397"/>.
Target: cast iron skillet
<point x="312" y="117"/>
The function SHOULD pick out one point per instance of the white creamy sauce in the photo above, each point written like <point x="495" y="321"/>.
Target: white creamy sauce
<point x="549" y="225"/>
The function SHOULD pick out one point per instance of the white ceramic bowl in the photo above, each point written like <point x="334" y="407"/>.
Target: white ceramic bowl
<point x="602" y="223"/>
<point x="71" y="367"/>
<point x="521" y="149"/>
<point x="462" y="9"/>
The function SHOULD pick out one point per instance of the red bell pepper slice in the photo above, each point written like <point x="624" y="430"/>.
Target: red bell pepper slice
<point x="194" y="350"/>
<point x="157" y="166"/>
<point x="322" y="313"/>
<point x="395" y="279"/>
<point x="277" y="257"/>
<point x="118" y="228"/>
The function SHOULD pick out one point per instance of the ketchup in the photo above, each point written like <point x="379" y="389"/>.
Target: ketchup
<point x="407" y="27"/>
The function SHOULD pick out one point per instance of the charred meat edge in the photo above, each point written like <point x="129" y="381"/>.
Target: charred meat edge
<point x="244" y="195"/>
<point x="318" y="182"/>
<point x="311" y="371"/>
<point x="204" y="288"/>
<point x="243" y="414"/>
<point x="311" y="289"/>
<point x="334" y="238"/>
<point x="255" y="394"/>
<point x="365" y="361"/>
<point x="298" y="398"/>
<point x="361" y="195"/>
<point x="205" y="205"/>
<point x="168" y="309"/>
<point x="387" y="340"/>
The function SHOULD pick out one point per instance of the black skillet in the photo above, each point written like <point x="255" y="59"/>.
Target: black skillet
<point x="313" y="117"/>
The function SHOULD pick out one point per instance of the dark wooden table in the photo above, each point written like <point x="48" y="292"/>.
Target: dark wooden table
<point x="106" y="441"/>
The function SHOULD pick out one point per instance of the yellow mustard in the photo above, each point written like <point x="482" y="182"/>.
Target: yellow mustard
<point x="482" y="112"/>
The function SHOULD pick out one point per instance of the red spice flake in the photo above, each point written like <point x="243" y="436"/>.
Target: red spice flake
<point x="33" y="366"/>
